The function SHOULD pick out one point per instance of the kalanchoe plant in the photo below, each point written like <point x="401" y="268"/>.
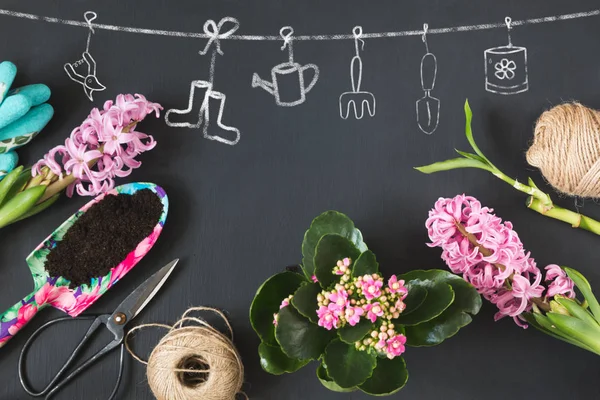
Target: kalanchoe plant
<point x="537" y="200"/>
<point x="341" y="312"/>
<point x="103" y="147"/>
<point x="489" y="254"/>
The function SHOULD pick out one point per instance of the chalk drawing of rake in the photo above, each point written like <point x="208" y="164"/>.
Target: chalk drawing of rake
<point x="356" y="99"/>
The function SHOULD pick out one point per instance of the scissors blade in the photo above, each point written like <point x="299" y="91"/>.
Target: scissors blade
<point x="136" y="301"/>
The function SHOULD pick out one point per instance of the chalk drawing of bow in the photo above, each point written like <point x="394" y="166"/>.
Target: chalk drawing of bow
<point x="214" y="33"/>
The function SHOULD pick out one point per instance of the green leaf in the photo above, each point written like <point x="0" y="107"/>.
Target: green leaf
<point x="577" y="329"/>
<point x="576" y="310"/>
<point x="330" y="249"/>
<point x="413" y="300"/>
<point x="388" y="377"/>
<point x="466" y="302"/>
<point x="329" y="383"/>
<point x="305" y="300"/>
<point x="298" y="337"/>
<point x="19" y="184"/>
<point x="365" y="264"/>
<point x="454" y="163"/>
<point x="471" y="156"/>
<point x="531" y="183"/>
<point x="347" y="366"/>
<point x="275" y="362"/>
<point x="351" y="334"/>
<point x="267" y="301"/>
<point x="542" y="324"/>
<point x="328" y="222"/>
<point x="8" y="181"/>
<point x="469" y="132"/>
<point x="586" y="290"/>
<point x="20" y="204"/>
<point x="38" y="208"/>
<point x="439" y="294"/>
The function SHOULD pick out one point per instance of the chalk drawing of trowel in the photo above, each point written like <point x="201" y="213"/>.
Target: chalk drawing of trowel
<point x="89" y="82"/>
<point x="428" y="107"/>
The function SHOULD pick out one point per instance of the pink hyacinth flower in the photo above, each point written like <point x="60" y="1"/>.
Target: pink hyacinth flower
<point x="561" y="283"/>
<point x="353" y="315"/>
<point x="371" y="288"/>
<point x="395" y="346"/>
<point x="328" y="317"/>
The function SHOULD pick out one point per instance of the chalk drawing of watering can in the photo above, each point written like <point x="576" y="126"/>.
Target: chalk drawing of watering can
<point x="288" y="85"/>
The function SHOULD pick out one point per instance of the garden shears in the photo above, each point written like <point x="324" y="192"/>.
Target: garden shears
<point x="115" y="323"/>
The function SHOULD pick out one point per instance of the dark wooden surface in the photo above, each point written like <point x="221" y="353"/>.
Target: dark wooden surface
<point x="238" y="213"/>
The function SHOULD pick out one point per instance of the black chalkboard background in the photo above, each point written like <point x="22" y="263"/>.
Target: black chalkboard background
<point x="238" y="213"/>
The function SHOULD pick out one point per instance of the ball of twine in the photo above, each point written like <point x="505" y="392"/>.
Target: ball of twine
<point x="566" y="148"/>
<point x="193" y="361"/>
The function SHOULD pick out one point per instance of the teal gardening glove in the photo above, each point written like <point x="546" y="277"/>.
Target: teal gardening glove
<point x="23" y="114"/>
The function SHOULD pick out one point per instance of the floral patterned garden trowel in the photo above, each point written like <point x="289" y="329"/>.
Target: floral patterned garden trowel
<point x="55" y="291"/>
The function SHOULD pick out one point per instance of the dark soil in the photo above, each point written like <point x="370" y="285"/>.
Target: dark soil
<point x="103" y="236"/>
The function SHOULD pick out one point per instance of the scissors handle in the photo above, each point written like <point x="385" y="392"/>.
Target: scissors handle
<point x="58" y="382"/>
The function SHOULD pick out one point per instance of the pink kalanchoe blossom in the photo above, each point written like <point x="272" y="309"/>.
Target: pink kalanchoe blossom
<point x="328" y="317"/>
<point x="339" y="299"/>
<point x="371" y="288"/>
<point x="103" y="147"/>
<point x="353" y="315"/>
<point x="489" y="254"/>
<point x="395" y="346"/>
<point x="314" y="278"/>
<point x="397" y="286"/>
<point x="373" y="311"/>
<point x="560" y="283"/>
<point x="284" y="303"/>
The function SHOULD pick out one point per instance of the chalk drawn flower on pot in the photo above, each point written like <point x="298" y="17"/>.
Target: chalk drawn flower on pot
<point x="505" y="69"/>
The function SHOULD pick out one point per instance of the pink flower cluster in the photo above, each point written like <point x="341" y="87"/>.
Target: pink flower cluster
<point x="103" y="147"/>
<point x="365" y="297"/>
<point x="489" y="254"/>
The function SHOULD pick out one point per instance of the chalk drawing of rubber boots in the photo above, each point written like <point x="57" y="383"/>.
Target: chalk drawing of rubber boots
<point x="192" y="116"/>
<point x="221" y="133"/>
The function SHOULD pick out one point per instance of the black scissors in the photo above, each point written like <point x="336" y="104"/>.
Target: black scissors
<point x="115" y="323"/>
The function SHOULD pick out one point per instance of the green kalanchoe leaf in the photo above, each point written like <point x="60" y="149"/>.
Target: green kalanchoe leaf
<point x="347" y="366"/>
<point x="439" y="295"/>
<point x="365" y="264"/>
<point x="267" y="301"/>
<point x="329" y="383"/>
<point x="298" y="337"/>
<point x="328" y="222"/>
<point x="305" y="300"/>
<point x="466" y="302"/>
<point x="351" y="334"/>
<point x="274" y="361"/>
<point x="413" y="300"/>
<point x="389" y="376"/>
<point x="330" y="249"/>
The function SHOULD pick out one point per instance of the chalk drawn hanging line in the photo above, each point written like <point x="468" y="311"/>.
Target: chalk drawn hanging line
<point x="288" y="75"/>
<point x="200" y="111"/>
<point x="88" y="79"/>
<point x="198" y="35"/>
<point x="428" y="107"/>
<point x="359" y="101"/>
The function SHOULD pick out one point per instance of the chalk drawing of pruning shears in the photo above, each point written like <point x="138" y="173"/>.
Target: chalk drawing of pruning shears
<point x="89" y="81"/>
